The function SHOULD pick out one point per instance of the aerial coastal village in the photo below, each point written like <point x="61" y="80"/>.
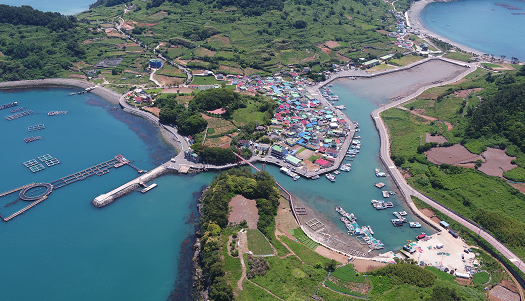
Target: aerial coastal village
<point x="268" y="150"/>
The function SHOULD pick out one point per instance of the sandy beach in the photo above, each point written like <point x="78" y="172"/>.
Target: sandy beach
<point x="415" y="22"/>
<point x="109" y="95"/>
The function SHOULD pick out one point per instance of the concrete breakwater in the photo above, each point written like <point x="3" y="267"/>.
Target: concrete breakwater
<point x="107" y="198"/>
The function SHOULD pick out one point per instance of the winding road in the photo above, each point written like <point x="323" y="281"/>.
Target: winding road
<point x="408" y="191"/>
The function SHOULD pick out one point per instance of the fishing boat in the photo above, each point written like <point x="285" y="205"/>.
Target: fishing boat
<point x="337" y="172"/>
<point x="402" y="213"/>
<point x="315" y="177"/>
<point x="385" y="194"/>
<point x="288" y="172"/>
<point x="357" y="137"/>
<point x="415" y="225"/>
<point x="396" y="214"/>
<point x="389" y="204"/>
<point x="330" y="177"/>
<point x="346" y="167"/>
<point x="380" y="174"/>
<point x="397" y="222"/>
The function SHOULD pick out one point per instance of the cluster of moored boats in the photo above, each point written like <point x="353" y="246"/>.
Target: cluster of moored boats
<point x="349" y="220"/>
<point x="290" y="173"/>
<point x="379" y="173"/>
<point x="329" y="95"/>
<point x="85" y="91"/>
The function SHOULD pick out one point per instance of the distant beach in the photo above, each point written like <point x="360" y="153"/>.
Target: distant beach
<point x="110" y="96"/>
<point x="413" y="16"/>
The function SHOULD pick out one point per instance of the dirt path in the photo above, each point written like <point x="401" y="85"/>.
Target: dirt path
<point x="242" y="246"/>
<point x="428" y="118"/>
<point x="277" y="234"/>
<point x="264" y="289"/>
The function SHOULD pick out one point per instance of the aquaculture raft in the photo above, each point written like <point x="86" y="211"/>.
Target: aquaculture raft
<point x="36" y="127"/>
<point x="53" y="113"/>
<point x="16" y="110"/>
<point x="9" y="105"/>
<point x="25" y="113"/>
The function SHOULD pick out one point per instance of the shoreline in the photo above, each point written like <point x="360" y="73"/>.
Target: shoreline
<point x="109" y="95"/>
<point x="413" y="14"/>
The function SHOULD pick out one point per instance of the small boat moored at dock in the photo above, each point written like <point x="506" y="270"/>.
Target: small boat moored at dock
<point x="148" y="188"/>
<point x="330" y="177"/>
<point x="415" y="225"/>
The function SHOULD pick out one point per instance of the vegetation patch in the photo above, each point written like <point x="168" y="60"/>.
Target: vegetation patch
<point x="441" y="274"/>
<point x="490" y="65"/>
<point x="458" y="56"/>
<point x="480" y="278"/>
<point x="257" y="243"/>
<point x="406" y="60"/>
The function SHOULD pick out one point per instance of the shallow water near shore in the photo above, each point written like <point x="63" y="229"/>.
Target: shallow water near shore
<point x="65" y="247"/>
<point x="479" y="24"/>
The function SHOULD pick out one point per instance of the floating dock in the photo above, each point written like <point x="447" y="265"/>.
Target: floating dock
<point x="16" y="110"/>
<point x="23" y="209"/>
<point x="53" y="113"/>
<point x="13" y="117"/>
<point x="36" y="127"/>
<point x="31" y="139"/>
<point x="9" y="105"/>
<point x="148" y="188"/>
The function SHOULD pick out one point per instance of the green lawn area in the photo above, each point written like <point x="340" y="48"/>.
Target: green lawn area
<point x="407" y="60"/>
<point x="479" y="72"/>
<point x="299" y="234"/>
<point x="133" y="48"/>
<point x="176" y="52"/>
<point x="458" y="56"/>
<point x="441" y="275"/>
<point x="306" y="254"/>
<point x="489" y="65"/>
<point x="245" y="115"/>
<point x="257" y="243"/>
<point x="231" y="87"/>
<point x="313" y="158"/>
<point x="111" y="41"/>
<point x="252" y="292"/>
<point x="480" y="278"/>
<point x="516" y="174"/>
<point x="205" y="80"/>
<point x="289" y="279"/>
<point x="301" y="150"/>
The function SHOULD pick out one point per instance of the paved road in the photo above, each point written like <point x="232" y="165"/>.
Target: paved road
<point x="407" y="190"/>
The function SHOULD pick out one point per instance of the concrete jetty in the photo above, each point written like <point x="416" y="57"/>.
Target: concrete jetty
<point x="107" y="198"/>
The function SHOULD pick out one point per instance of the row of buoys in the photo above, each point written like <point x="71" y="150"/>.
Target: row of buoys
<point x="36" y="127"/>
<point x="53" y="113"/>
<point x="31" y="139"/>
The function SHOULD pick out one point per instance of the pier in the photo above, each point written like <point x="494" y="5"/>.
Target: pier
<point x="99" y="170"/>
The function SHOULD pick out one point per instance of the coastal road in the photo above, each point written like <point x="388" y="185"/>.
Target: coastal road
<point x="408" y="191"/>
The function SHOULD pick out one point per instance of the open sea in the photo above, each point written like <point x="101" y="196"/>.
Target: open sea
<point x="62" y="6"/>
<point x="67" y="249"/>
<point x="479" y="24"/>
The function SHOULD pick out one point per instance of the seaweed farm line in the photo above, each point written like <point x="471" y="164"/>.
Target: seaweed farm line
<point x="99" y="170"/>
<point x="9" y="105"/>
<point x="24" y="113"/>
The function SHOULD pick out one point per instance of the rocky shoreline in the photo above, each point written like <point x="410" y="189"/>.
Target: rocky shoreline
<point x="201" y="285"/>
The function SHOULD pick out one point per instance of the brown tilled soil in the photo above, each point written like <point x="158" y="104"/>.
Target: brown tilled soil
<point x="437" y="138"/>
<point x="363" y="265"/>
<point x="310" y="165"/>
<point x="177" y="90"/>
<point x="462" y="281"/>
<point x="509" y="285"/>
<point x="155" y="110"/>
<point x="430" y="214"/>
<point x="331" y="44"/>
<point x="465" y="93"/>
<point x="169" y="80"/>
<point x="519" y="186"/>
<point x="82" y="76"/>
<point x="331" y="254"/>
<point x="453" y="155"/>
<point x="284" y="219"/>
<point x="243" y="209"/>
<point x="497" y="162"/>
<point x="305" y="154"/>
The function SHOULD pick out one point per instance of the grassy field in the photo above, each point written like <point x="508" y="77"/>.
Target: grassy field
<point x="489" y="65"/>
<point x="306" y="254"/>
<point x="480" y="278"/>
<point x="206" y="80"/>
<point x="245" y="115"/>
<point x="299" y="234"/>
<point x="252" y="292"/>
<point x="169" y="70"/>
<point x="458" y="56"/>
<point x="441" y="275"/>
<point x="407" y="60"/>
<point x="257" y="243"/>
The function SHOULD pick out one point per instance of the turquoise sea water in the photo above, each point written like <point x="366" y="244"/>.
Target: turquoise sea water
<point x="479" y="24"/>
<point x="67" y="249"/>
<point x="62" y="6"/>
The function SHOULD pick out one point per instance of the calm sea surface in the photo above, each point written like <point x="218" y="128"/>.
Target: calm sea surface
<point x="479" y="24"/>
<point x="67" y="249"/>
<point x="62" y="6"/>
